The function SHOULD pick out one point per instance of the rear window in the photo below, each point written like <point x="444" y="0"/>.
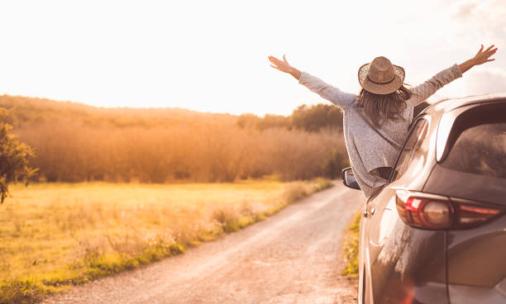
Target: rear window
<point x="480" y="148"/>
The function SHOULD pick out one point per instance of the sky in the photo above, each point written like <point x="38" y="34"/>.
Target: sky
<point x="211" y="56"/>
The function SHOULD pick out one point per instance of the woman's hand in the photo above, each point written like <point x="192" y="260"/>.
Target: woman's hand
<point x="284" y="66"/>
<point x="484" y="55"/>
<point x="481" y="57"/>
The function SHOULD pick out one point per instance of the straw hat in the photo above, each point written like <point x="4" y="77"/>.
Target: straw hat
<point x="381" y="76"/>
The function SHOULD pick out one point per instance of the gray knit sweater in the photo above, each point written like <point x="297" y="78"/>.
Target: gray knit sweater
<point x="367" y="150"/>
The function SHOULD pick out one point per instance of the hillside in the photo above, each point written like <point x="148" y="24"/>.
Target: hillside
<point x="35" y="111"/>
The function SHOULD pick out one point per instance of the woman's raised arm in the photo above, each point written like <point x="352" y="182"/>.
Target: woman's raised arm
<point x="428" y="88"/>
<point x="313" y="83"/>
<point x="481" y="57"/>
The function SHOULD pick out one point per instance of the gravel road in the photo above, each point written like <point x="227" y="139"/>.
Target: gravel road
<point x="292" y="257"/>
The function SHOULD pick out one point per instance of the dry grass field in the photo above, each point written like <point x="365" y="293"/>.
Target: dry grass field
<point x="56" y="235"/>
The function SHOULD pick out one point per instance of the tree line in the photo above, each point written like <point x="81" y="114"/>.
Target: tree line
<point x="74" y="143"/>
<point x="308" y="118"/>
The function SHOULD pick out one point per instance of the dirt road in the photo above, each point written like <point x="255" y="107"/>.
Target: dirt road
<point x="292" y="257"/>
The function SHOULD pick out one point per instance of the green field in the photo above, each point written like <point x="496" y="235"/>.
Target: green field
<point x="350" y="247"/>
<point x="53" y="236"/>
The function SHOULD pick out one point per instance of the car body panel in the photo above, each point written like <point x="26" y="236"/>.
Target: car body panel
<point x="477" y="263"/>
<point x="402" y="264"/>
<point x="476" y="256"/>
<point x="405" y="264"/>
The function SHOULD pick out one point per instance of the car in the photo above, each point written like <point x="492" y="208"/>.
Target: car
<point x="436" y="233"/>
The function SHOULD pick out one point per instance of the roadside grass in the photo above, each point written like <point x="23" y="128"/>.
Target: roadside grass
<point x="53" y="236"/>
<point x="350" y="247"/>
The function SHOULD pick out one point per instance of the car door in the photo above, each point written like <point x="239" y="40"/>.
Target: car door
<point x="380" y="215"/>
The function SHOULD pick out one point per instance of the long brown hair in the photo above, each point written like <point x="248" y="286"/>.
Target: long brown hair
<point x="379" y="108"/>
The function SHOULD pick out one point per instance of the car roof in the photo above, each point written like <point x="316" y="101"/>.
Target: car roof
<point x="447" y="105"/>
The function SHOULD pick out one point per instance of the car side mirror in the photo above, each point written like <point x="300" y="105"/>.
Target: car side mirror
<point x="349" y="179"/>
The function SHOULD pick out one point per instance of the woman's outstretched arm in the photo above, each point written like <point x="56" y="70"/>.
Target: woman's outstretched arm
<point x="313" y="83"/>
<point x="481" y="57"/>
<point x="428" y="88"/>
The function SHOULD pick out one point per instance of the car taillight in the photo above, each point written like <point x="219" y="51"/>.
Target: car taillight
<point x="436" y="212"/>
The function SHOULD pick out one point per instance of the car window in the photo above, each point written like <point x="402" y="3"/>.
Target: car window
<point x="413" y="154"/>
<point x="480" y="149"/>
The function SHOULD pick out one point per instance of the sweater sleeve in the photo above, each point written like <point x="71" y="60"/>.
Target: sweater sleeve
<point x="326" y="91"/>
<point x="429" y="87"/>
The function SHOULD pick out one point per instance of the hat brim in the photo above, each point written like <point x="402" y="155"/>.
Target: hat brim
<point x="380" y="89"/>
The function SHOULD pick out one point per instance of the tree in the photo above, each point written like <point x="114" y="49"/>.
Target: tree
<point x="248" y="121"/>
<point x="14" y="158"/>
<point x="308" y="118"/>
<point x="274" y="121"/>
<point x="317" y="117"/>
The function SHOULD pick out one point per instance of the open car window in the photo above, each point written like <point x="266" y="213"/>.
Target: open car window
<point x="413" y="152"/>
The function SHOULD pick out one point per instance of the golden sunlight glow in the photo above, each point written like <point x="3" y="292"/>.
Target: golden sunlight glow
<point x="211" y="55"/>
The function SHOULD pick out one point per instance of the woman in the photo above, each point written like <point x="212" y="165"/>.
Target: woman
<point x="376" y="121"/>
